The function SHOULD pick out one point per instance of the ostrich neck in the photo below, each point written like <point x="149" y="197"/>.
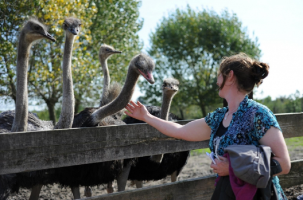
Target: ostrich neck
<point x="67" y="111"/>
<point x="21" y="109"/>
<point x="122" y="100"/>
<point x="106" y="80"/>
<point x="166" y="101"/>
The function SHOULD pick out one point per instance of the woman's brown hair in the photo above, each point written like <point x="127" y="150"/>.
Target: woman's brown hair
<point x="249" y="72"/>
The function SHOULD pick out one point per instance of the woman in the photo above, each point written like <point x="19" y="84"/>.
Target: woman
<point x="243" y="121"/>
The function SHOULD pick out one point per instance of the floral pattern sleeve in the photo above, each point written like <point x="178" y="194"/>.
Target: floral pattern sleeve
<point x="263" y="121"/>
<point x="214" y="118"/>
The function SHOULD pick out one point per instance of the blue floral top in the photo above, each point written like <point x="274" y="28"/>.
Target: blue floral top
<point x="248" y="125"/>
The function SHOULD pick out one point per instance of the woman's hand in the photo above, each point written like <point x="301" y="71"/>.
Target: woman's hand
<point x="222" y="166"/>
<point x="137" y="111"/>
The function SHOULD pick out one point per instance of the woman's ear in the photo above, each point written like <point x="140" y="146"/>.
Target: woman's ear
<point x="230" y="78"/>
<point x="231" y="74"/>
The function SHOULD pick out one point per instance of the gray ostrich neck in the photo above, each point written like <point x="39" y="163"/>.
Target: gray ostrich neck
<point x="21" y="109"/>
<point x="122" y="100"/>
<point x="106" y="80"/>
<point x="67" y="111"/>
<point x="166" y="101"/>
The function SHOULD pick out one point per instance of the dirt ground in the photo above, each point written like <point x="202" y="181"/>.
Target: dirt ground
<point x="197" y="166"/>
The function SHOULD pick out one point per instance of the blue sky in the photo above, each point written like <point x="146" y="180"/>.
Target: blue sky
<point x="277" y="24"/>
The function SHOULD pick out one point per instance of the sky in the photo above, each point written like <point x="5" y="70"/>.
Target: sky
<point x="277" y="24"/>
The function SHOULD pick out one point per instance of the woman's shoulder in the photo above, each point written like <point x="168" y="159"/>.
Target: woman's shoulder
<point x="264" y="114"/>
<point x="259" y="108"/>
<point x="213" y="118"/>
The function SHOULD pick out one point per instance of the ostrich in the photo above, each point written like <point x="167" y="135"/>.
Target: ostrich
<point x="36" y="179"/>
<point x="157" y="167"/>
<point x="105" y="172"/>
<point x="32" y="31"/>
<point x="71" y="27"/>
<point x="109" y="93"/>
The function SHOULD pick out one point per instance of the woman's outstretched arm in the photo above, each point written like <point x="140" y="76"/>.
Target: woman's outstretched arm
<point x="196" y="130"/>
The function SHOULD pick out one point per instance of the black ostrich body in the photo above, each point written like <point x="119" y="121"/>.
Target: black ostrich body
<point x="95" y="173"/>
<point x="144" y="169"/>
<point x="34" y="123"/>
<point x="27" y="179"/>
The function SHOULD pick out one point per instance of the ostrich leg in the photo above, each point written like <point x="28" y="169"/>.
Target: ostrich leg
<point x="122" y="178"/>
<point x="35" y="192"/>
<point x="173" y="176"/>
<point x="87" y="191"/>
<point x="76" y="192"/>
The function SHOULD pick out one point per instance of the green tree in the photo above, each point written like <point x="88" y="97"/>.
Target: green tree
<point x="12" y="15"/>
<point x="114" y="22"/>
<point x="189" y="46"/>
<point x="283" y="104"/>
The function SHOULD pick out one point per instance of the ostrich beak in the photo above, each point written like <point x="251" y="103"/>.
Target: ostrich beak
<point x="114" y="51"/>
<point x="149" y="77"/>
<point x="49" y="36"/>
<point x="175" y="88"/>
<point x="73" y="30"/>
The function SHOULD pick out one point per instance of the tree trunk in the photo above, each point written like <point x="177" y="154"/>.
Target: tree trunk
<point x="181" y="113"/>
<point x="11" y="80"/>
<point x="203" y="110"/>
<point x="77" y="105"/>
<point x="51" y="111"/>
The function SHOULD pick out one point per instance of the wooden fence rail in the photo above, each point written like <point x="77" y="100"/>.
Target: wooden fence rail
<point x="27" y="151"/>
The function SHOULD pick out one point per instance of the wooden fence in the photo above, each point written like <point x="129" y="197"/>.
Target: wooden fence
<point x="27" y="151"/>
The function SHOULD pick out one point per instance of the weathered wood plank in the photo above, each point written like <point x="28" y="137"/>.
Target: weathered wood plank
<point x="295" y="176"/>
<point x="193" y="189"/>
<point x="58" y="148"/>
<point x="28" y="151"/>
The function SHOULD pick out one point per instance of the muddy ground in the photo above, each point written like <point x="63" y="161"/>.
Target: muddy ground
<point x="197" y="166"/>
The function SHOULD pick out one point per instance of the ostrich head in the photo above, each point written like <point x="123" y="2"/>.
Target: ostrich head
<point x="143" y="65"/>
<point x="170" y="86"/>
<point x="106" y="51"/>
<point x="35" y="30"/>
<point x="71" y="25"/>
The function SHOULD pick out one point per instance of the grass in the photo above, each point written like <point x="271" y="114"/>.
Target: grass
<point x="291" y="143"/>
<point x="294" y="142"/>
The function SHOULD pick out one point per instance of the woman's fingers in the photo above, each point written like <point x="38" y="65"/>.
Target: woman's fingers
<point x="133" y="104"/>
<point x="222" y="158"/>
<point x="129" y="109"/>
<point x="139" y="103"/>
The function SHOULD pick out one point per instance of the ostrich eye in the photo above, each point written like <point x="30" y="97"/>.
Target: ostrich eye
<point x="106" y="49"/>
<point x="80" y="24"/>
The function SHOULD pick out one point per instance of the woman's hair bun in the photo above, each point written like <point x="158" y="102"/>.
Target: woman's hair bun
<point x="259" y="71"/>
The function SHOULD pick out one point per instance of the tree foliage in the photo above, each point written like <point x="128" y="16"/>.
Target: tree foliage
<point x="189" y="46"/>
<point x="10" y="22"/>
<point x="114" y="22"/>
<point x="284" y="104"/>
